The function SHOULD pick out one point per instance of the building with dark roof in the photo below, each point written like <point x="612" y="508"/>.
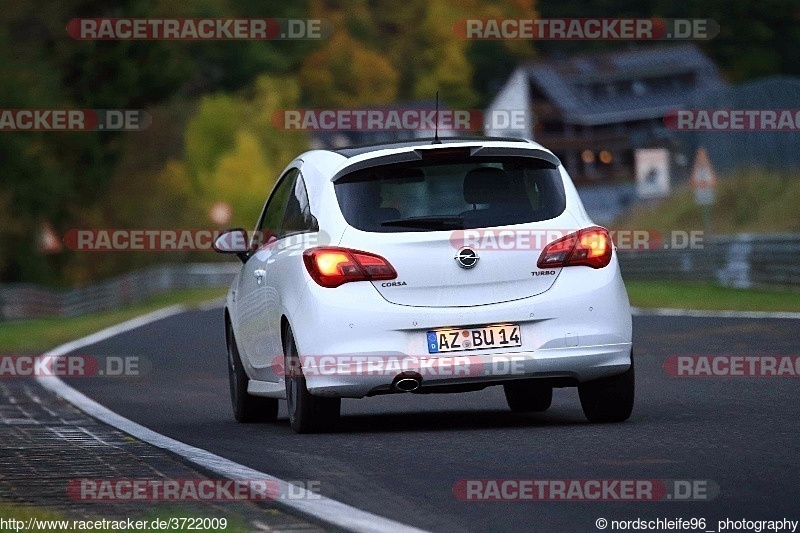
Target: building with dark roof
<point x="730" y="151"/>
<point x="594" y="110"/>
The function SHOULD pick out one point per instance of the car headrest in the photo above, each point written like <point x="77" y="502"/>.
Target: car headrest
<point x="484" y="185"/>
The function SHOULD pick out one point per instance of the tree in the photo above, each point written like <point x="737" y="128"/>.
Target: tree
<point x="345" y="73"/>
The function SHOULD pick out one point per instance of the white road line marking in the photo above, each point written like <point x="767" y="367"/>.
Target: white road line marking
<point x="313" y="505"/>
<point x="122" y="327"/>
<point x="643" y="311"/>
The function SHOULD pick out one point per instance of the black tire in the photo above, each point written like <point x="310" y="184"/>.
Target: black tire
<point x="609" y="399"/>
<point x="246" y="408"/>
<point x="307" y="413"/>
<point x="528" y="396"/>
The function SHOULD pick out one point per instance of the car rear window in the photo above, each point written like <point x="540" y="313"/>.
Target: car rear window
<point x="436" y="195"/>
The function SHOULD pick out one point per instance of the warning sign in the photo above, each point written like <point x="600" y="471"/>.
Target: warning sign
<point x="652" y="172"/>
<point x="704" y="180"/>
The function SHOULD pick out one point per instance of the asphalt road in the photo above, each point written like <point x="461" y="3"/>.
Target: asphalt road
<point x="399" y="456"/>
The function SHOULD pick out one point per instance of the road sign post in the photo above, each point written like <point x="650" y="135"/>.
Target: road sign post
<point x="704" y="185"/>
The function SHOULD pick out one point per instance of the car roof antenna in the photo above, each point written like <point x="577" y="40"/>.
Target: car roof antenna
<point x="436" y="122"/>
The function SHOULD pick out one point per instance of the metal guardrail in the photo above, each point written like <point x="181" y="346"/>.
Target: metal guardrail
<point x="23" y="300"/>
<point x="741" y="261"/>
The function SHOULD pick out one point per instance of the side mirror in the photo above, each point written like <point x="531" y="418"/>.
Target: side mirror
<point x="233" y="241"/>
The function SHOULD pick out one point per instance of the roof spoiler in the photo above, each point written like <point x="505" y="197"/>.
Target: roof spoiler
<point x="447" y="152"/>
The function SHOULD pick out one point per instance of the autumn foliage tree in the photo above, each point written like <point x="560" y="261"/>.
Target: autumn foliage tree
<point x="212" y="139"/>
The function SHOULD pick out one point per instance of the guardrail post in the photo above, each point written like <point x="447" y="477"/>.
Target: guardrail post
<point x="736" y="270"/>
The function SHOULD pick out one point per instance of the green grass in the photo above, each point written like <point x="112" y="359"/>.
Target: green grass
<point x="38" y="335"/>
<point x="707" y="296"/>
<point x="746" y="202"/>
<point x="24" y="512"/>
<point x="749" y="201"/>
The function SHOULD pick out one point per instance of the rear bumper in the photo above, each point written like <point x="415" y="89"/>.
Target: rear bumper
<point x="354" y="343"/>
<point x="356" y="379"/>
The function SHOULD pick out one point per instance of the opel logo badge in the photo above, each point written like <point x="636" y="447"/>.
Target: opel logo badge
<point x="467" y="258"/>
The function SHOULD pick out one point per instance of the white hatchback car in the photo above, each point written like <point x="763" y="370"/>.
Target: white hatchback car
<point x="425" y="266"/>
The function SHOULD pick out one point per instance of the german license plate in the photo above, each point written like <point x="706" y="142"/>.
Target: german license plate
<point x="480" y="338"/>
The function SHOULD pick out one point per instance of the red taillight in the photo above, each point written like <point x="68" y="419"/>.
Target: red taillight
<point x="590" y="247"/>
<point x="331" y="266"/>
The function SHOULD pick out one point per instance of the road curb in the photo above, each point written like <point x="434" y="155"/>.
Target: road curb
<point x="698" y="313"/>
<point x="316" y="507"/>
<point x="50" y="449"/>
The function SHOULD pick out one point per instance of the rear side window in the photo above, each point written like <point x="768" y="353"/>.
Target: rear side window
<point x="269" y="223"/>
<point x="451" y="195"/>
<point x="298" y="218"/>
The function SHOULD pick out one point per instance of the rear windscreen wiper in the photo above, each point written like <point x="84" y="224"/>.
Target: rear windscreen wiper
<point x="449" y="222"/>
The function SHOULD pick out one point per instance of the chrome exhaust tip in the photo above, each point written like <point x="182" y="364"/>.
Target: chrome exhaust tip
<point x="407" y="382"/>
